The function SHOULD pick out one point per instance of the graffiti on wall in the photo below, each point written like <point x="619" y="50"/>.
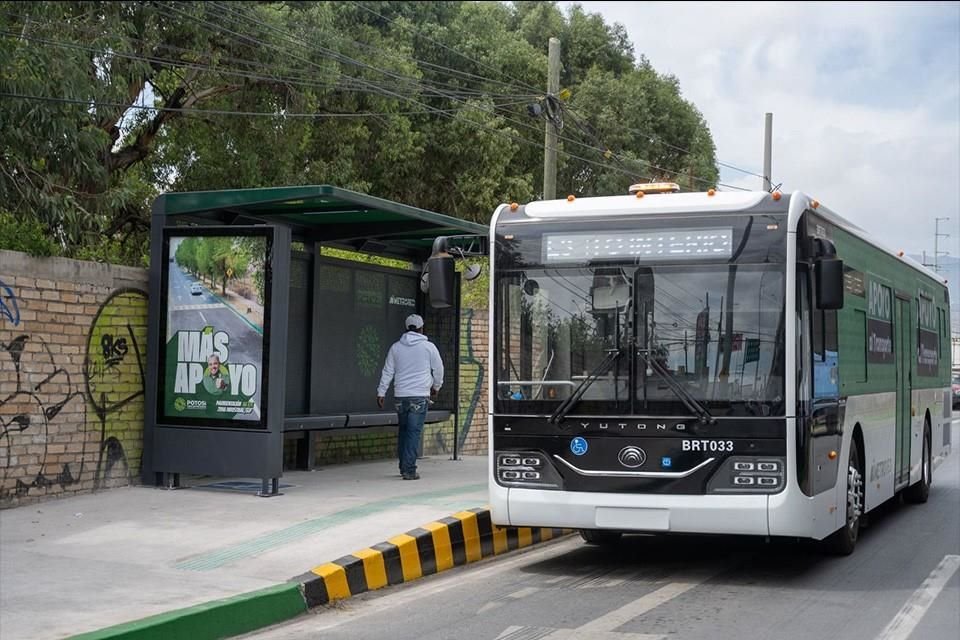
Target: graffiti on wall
<point x="40" y="391"/>
<point x="471" y="382"/>
<point x="62" y="421"/>
<point x="475" y="378"/>
<point x="114" y="374"/>
<point x="8" y="304"/>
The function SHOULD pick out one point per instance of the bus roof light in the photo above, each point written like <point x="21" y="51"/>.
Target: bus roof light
<point x="711" y="192"/>
<point x="776" y="195"/>
<point x="815" y="204"/>
<point x="571" y="198"/>
<point x="832" y="455"/>
<point x="514" y="206"/>
<point x="639" y="194"/>
<point x="655" y="187"/>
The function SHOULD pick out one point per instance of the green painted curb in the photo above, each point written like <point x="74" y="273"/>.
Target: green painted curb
<point x="211" y="620"/>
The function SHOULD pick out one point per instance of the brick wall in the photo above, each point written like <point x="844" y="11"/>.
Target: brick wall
<point x="474" y="378"/>
<point x="72" y="356"/>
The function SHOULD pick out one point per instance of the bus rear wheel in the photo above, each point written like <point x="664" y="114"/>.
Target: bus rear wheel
<point x="919" y="492"/>
<point x="602" y="537"/>
<point x="843" y="541"/>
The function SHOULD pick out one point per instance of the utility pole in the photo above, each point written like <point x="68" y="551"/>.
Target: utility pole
<point x="767" y="150"/>
<point x="550" y="137"/>
<point x="936" y="245"/>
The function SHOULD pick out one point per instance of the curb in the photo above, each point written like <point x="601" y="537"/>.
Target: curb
<point x="464" y="537"/>
<point x="216" y="619"/>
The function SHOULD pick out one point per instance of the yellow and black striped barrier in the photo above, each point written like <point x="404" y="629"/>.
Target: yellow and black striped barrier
<point x="467" y="536"/>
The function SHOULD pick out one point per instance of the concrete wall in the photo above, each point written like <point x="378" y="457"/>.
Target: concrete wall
<point x="72" y="356"/>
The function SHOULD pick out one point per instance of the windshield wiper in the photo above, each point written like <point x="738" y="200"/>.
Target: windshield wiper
<point x="685" y="396"/>
<point x="599" y="370"/>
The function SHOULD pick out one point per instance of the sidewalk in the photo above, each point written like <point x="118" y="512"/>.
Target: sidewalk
<point x="81" y="564"/>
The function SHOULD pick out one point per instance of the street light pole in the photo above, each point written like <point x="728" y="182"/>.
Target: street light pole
<point x="551" y="137"/>
<point x="936" y="245"/>
<point x="767" y="151"/>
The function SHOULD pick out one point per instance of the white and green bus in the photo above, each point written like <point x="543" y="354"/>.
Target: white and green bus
<point x="731" y="363"/>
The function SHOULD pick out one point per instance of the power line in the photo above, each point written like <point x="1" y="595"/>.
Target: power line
<point x="212" y="112"/>
<point x="209" y="68"/>
<point x="536" y="90"/>
<point x="265" y="67"/>
<point x="524" y="84"/>
<point x="329" y="53"/>
<point x="653" y="137"/>
<point x="341" y="57"/>
<point x="606" y="150"/>
<point x="380" y="51"/>
<point x="441" y="93"/>
<point x="370" y="87"/>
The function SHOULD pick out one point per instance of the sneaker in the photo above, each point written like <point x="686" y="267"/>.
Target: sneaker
<point x="411" y="476"/>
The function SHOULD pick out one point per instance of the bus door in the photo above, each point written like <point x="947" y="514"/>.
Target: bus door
<point x="903" y="352"/>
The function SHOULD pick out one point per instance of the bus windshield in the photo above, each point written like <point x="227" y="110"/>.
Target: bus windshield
<point x="713" y="330"/>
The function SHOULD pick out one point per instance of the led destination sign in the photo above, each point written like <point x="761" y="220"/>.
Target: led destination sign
<point x="669" y="244"/>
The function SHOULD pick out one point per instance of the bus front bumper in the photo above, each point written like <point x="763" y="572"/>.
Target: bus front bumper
<point x="724" y="514"/>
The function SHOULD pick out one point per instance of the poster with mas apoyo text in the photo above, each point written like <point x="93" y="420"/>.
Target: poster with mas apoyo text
<point x="213" y="365"/>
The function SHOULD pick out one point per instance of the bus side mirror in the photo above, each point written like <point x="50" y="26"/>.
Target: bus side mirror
<point x="441" y="276"/>
<point x="829" y="275"/>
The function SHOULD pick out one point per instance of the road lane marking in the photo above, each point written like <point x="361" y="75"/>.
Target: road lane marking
<point x="525" y="633"/>
<point x="516" y="595"/>
<point x="602" y="628"/>
<point x="546" y="633"/>
<point x="914" y="609"/>
<point x="202" y="318"/>
<point x="195" y="307"/>
<point x="643" y="604"/>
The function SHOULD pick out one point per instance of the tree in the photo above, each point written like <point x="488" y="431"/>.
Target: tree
<point x="108" y="104"/>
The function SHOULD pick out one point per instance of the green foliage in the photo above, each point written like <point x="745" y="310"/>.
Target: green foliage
<point x="366" y="258"/>
<point x="475" y="294"/>
<point x="26" y="235"/>
<point x="444" y="88"/>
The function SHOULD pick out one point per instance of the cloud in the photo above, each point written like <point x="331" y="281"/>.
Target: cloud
<point x="865" y="101"/>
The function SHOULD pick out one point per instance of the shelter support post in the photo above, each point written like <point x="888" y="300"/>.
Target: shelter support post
<point x="269" y="487"/>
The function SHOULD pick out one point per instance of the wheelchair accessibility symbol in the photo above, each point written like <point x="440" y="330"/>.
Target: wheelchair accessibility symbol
<point x="578" y="446"/>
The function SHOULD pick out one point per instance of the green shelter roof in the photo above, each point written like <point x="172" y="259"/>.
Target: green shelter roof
<point x="322" y="213"/>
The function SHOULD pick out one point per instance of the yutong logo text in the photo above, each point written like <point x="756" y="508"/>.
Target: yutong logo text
<point x="638" y="426"/>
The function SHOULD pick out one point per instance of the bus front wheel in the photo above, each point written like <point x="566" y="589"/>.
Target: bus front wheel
<point x="600" y="536"/>
<point x="843" y="541"/>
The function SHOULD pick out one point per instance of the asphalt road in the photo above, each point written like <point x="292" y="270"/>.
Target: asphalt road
<point x="194" y="312"/>
<point x="901" y="582"/>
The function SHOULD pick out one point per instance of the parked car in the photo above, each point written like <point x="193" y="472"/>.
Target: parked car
<point x="955" y="386"/>
<point x="196" y="289"/>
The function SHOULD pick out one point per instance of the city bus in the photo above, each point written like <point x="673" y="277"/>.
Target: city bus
<point x="715" y="363"/>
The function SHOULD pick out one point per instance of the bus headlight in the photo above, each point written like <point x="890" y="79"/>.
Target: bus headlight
<point x="526" y="469"/>
<point x="740" y="474"/>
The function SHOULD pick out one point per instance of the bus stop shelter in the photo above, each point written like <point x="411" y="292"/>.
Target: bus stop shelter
<point x="256" y="332"/>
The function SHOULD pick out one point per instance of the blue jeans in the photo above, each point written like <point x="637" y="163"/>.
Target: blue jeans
<point x="411" y="413"/>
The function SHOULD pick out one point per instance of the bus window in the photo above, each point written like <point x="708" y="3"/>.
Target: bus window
<point x="825" y="377"/>
<point x="803" y="339"/>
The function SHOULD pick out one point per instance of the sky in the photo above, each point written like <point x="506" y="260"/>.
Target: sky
<point x="865" y="100"/>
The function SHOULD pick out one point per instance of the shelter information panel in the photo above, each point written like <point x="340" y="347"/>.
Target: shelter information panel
<point x="214" y="334"/>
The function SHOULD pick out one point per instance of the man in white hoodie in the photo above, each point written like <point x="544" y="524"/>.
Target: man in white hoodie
<point x="414" y="366"/>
